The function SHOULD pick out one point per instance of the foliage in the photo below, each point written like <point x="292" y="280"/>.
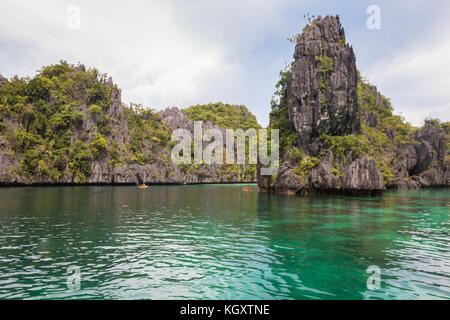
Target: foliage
<point x="229" y="117"/>
<point x="42" y="118"/>
<point x="336" y="172"/>
<point x="309" y="18"/>
<point x="147" y="132"/>
<point x="80" y="167"/>
<point x="296" y="154"/>
<point x="99" y="145"/>
<point x="223" y="115"/>
<point x="375" y="145"/>
<point x="303" y="170"/>
<point x="389" y="131"/>
<point x="94" y="109"/>
<point x="62" y="120"/>
<point x="340" y="145"/>
<point x="279" y="115"/>
<point x="379" y="106"/>
<point x="432" y="122"/>
<point x="326" y="64"/>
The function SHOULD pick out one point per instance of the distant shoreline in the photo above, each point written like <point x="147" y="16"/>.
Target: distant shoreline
<point x="12" y="185"/>
<point x="350" y="193"/>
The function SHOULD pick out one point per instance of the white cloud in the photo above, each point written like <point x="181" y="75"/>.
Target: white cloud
<point x="161" y="53"/>
<point x="177" y="53"/>
<point x="416" y="77"/>
<point x="148" y="53"/>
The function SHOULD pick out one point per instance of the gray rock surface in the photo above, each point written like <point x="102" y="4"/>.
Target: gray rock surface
<point x="363" y="175"/>
<point x="322" y="177"/>
<point x="422" y="164"/>
<point x="160" y="171"/>
<point x="288" y="181"/>
<point x="323" y="87"/>
<point x="323" y="99"/>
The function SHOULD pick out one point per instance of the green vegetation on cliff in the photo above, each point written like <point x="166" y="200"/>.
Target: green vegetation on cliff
<point x="68" y="123"/>
<point x="147" y="132"/>
<point x="374" y="144"/>
<point x="229" y="117"/>
<point x="223" y="115"/>
<point x="279" y="115"/>
<point x="337" y="132"/>
<point x="44" y="120"/>
<point x="377" y="109"/>
<point x="382" y="132"/>
<point x="40" y="115"/>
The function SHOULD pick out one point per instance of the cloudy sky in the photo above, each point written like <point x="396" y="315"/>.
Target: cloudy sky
<point x="184" y="52"/>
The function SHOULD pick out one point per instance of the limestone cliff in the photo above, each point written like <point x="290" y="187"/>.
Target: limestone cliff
<point x="323" y="86"/>
<point x="68" y="125"/>
<point x="338" y="133"/>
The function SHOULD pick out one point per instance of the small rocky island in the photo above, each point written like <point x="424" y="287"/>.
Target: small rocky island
<point x="68" y="125"/>
<point x="339" y="134"/>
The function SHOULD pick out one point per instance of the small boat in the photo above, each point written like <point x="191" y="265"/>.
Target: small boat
<point x="140" y="182"/>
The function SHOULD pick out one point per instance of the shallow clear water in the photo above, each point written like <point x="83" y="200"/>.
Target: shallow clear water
<point x="219" y="242"/>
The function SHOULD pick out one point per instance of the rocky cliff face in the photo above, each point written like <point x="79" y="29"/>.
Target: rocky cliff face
<point x="421" y="163"/>
<point x="165" y="172"/>
<point x="69" y="125"/>
<point x="323" y="87"/>
<point x="348" y="139"/>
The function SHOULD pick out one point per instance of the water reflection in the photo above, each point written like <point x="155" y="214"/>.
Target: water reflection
<point x="222" y="243"/>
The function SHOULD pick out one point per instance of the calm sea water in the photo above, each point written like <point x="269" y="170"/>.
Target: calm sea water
<point x="219" y="242"/>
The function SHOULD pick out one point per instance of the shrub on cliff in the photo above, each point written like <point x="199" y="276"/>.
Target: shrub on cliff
<point x="223" y="115"/>
<point x="41" y="118"/>
<point x="279" y="115"/>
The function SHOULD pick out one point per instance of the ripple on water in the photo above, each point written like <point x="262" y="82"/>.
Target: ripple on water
<point x="211" y="242"/>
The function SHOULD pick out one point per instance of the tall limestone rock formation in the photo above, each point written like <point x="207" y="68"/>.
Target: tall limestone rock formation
<point x="339" y="134"/>
<point x="323" y="87"/>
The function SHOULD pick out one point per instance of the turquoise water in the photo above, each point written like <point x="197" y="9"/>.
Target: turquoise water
<point x="218" y="242"/>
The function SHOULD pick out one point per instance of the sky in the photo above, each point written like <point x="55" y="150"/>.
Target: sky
<point x="184" y="52"/>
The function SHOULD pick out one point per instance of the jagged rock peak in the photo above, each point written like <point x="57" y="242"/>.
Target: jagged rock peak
<point x="322" y="91"/>
<point x="176" y="119"/>
<point x="326" y="29"/>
